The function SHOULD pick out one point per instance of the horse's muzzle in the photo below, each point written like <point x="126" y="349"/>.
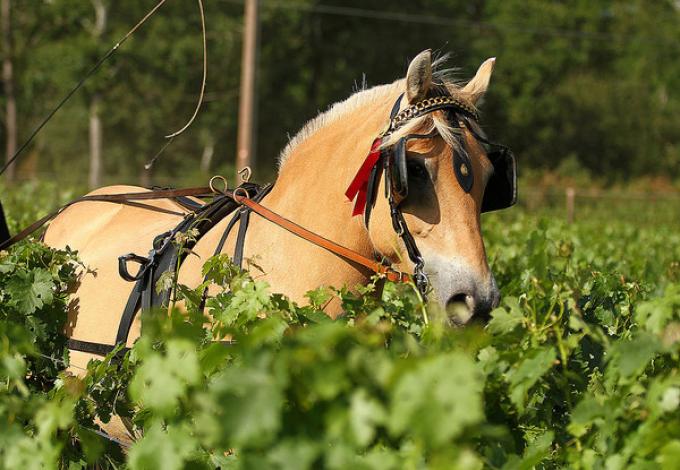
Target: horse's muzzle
<point x="465" y="294"/>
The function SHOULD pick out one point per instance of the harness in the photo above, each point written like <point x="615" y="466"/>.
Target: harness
<point x="390" y="161"/>
<point x="166" y="255"/>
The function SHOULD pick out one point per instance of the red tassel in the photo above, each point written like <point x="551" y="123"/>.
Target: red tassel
<point x="359" y="185"/>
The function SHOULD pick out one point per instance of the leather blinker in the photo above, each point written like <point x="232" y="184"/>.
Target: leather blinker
<point x="462" y="167"/>
<point x="398" y="172"/>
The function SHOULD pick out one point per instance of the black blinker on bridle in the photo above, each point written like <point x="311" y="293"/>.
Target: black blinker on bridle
<point x="500" y="193"/>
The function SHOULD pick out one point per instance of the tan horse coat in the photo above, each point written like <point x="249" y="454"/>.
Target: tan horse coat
<point x="309" y="191"/>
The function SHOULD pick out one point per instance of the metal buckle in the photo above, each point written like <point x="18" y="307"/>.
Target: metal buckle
<point x="420" y="278"/>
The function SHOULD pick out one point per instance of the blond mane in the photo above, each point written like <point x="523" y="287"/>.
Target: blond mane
<point x="377" y="94"/>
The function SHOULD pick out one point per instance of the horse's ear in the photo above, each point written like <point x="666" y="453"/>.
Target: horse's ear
<point x="419" y="76"/>
<point x="476" y="87"/>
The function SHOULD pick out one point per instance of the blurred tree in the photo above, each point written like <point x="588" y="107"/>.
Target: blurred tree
<point x="8" y="81"/>
<point x="588" y="82"/>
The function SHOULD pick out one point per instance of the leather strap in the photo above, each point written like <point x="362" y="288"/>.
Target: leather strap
<point x="129" y="312"/>
<point x="94" y="348"/>
<point x="4" y="231"/>
<point x="122" y="198"/>
<point x="342" y="252"/>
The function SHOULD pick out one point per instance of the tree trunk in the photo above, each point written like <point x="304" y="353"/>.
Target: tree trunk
<point x="8" y="80"/>
<point x="95" y="175"/>
<point x="208" y="151"/>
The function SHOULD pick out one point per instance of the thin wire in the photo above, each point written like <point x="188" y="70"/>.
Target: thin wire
<point x="60" y="361"/>
<point x="205" y="74"/>
<point x="80" y="84"/>
<point x="150" y="163"/>
<point x="445" y="21"/>
<point x="107" y="437"/>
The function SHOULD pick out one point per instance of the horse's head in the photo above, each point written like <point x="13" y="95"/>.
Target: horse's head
<point x="440" y="177"/>
<point x="429" y="174"/>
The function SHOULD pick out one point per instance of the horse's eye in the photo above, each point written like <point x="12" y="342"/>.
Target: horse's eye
<point x="416" y="169"/>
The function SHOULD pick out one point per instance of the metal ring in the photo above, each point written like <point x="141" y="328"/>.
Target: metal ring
<point x="214" y="188"/>
<point x="235" y="193"/>
<point x="245" y="173"/>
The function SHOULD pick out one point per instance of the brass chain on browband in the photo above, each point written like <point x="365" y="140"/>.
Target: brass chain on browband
<point x="430" y="105"/>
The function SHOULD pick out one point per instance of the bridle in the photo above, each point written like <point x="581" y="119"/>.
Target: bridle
<point x="391" y="161"/>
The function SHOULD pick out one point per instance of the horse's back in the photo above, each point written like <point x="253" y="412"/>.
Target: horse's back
<point x="96" y="224"/>
<point x="101" y="232"/>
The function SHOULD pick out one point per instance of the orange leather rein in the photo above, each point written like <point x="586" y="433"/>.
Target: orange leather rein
<point x="343" y="252"/>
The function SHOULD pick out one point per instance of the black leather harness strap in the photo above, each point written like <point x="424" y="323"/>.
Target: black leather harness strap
<point x="4" y="230"/>
<point x="243" y="218"/>
<point x="243" y="225"/>
<point x="94" y="348"/>
<point x="166" y="256"/>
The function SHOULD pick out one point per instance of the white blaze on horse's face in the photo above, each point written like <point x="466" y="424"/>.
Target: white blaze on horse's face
<point x="443" y="218"/>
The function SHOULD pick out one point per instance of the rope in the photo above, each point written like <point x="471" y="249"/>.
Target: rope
<point x="80" y="84"/>
<point x="205" y="74"/>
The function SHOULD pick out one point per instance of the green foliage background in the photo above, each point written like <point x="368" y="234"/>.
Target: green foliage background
<point x="577" y="368"/>
<point x="587" y="82"/>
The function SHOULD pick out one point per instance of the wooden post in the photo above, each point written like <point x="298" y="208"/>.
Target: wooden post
<point x="245" y="149"/>
<point x="8" y="80"/>
<point x="571" y="195"/>
<point x="95" y="174"/>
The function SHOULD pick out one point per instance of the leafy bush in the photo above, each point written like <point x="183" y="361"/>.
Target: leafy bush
<point x="578" y="367"/>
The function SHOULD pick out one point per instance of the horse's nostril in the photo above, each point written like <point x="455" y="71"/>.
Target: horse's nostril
<point x="460" y="308"/>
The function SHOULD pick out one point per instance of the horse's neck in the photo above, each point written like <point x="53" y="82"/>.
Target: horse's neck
<point x="310" y="192"/>
<point x="311" y="186"/>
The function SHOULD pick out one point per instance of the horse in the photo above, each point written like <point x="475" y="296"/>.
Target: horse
<point x="440" y="211"/>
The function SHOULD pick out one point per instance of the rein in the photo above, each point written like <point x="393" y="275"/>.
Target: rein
<point x="343" y="252"/>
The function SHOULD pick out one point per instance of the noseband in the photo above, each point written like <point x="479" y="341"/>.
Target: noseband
<point x="392" y="162"/>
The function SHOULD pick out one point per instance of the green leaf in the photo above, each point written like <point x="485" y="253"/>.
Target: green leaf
<point x="365" y="413"/>
<point x="630" y="357"/>
<point x="524" y="375"/>
<point x="437" y="400"/>
<point x="504" y="320"/>
<point x="31" y="290"/>
<point x="242" y="406"/>
<point x="669" y="455"/>
<point x="162" y="379"/>
<point x="320" y="296"/>
<point x="535" y="453"/>
<point x="294" y="454"/>
<point x="163" y="449"/>
<point x="585" y="414"/>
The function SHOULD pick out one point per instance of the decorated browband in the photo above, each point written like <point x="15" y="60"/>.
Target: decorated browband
<point x="357" y="190"/>
<point x="429" y="105"/>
